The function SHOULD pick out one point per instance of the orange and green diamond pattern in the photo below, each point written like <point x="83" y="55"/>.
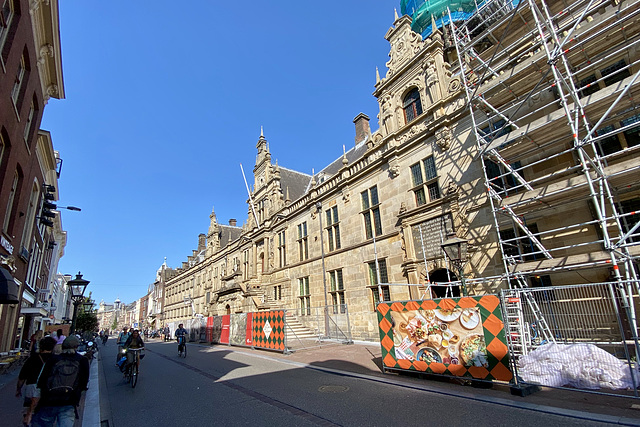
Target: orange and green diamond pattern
<point x="492" y="326"/>
<point x="268" y="330"/>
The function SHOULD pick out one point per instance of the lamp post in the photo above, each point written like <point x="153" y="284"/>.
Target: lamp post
<point x="455" y="249"/>
<point x="77" y="286"/>
<point x="87" y="306"/>
<point x="324" y="276"/>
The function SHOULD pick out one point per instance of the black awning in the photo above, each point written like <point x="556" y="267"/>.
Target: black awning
<point x="8" y="288"/>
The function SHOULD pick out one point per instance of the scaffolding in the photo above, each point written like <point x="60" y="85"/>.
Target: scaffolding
<point x="551" y="89"/>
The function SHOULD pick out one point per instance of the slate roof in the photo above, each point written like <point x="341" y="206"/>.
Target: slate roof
<point x="296" y="182"/>
<point x="334" y="167"/>
<point x="228" y="234"/>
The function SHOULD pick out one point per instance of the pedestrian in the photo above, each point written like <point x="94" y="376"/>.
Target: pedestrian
<point x="60" y="337"/>
<point x="28" y="377"/>
<point x="167" y="335"/>
<point x="63" y="379"/>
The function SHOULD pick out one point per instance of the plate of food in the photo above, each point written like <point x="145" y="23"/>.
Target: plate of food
<point x="469" y="318"/>
<point x="473" y="351"/>
<point x="428" y="355"/>
<point x="416" y="328"/>
<point x="447" y="315"/>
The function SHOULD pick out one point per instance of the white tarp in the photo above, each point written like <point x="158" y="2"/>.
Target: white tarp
<point x="584" y="366"/>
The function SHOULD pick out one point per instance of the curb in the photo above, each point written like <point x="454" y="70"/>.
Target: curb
<point x="91" y="411"/>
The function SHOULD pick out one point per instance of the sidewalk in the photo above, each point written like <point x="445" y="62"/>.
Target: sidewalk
<point x="11" y="406"/>
<point x="364" y="361"/>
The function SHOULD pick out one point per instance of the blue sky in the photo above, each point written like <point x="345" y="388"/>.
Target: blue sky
<point x="163" y="103"/>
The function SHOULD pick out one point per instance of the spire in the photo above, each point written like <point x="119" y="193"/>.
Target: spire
<point x="261" y="132"/>
<point x="395" y="12"/>
<point x="377" y="75"/>
<point x="433" y="24"/>
<point x="288" y="198"/>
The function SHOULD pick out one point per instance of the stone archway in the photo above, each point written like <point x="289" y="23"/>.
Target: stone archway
<point x="443" y="275"/>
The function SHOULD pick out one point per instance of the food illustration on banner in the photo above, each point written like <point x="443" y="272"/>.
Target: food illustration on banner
<point x="450" y="336"/>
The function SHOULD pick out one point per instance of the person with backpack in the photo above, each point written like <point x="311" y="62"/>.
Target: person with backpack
<point x="28" y="377"/>
<point x="61" y="383"/>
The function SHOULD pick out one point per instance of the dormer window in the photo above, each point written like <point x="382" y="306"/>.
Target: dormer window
<point x="412" y="106"/>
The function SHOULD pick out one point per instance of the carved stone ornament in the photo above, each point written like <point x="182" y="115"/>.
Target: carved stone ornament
<point x="394" y="168"/>
<point x="454" y="85"/>
<point x="443" y="138"/>
<point x="404" y="46"/>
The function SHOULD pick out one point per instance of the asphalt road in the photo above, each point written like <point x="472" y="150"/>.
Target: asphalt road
<point x="216" y="386"/>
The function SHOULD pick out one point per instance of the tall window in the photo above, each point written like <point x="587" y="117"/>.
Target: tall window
<point x="517" y="245"/>
<point x="373" y="281"/>
<point x="8" y="213"/>
<point x="305" y="296"/>
<point x="412" y="105"/>
<point x="371" y="212"/>
<point x="337" y="291"/>
<point x="17" y="84"/>
<point x="632" y="135"/>
<point x="615" y="73"/>
<point x="282" y="248"/>
<point x="303" y="241"/>
<point x="277" y="292"/>
<point x="609" y="144"/>
<point x="245" y="265"/>
<point x="29" y="122"/>
<point x="425" y="181"/>
<point x="501" y="180"/>
<point x="631" y="206"/>
<point x="2" y="148"/>
<point x="333" y="228"/>
<point x="6" y="16"/>
<point x="31" y="215"/>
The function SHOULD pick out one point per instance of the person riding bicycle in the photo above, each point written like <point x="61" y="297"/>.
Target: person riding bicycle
<point x="181" y="334"/>
<point x="122" y="338"/>
<point x="134" y="341"/>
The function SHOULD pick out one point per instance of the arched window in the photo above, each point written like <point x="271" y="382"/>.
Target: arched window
<point x="412" y="105"/>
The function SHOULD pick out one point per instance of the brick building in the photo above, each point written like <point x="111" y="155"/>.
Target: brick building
<point x="31" y="74"/>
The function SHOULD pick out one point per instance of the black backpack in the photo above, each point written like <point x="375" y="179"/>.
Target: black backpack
<point x="63" y="381"/>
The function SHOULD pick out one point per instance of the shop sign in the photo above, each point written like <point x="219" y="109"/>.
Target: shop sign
<point x="6" y="245"/>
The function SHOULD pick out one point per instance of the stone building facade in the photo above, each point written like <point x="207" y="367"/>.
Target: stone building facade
<point x="461" y="150"/>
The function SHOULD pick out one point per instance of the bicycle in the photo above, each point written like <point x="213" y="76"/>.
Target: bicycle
<point x="133" y="369"/>
<point x="182" y="347"/>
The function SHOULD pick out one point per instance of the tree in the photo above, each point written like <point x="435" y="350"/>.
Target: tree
<point x="87" y="321"/>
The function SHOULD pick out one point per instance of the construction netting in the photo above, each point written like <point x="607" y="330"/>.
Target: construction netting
<point x="422" y="11"/>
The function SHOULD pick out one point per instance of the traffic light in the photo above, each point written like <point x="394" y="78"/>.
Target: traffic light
<point x="48" y="206"/>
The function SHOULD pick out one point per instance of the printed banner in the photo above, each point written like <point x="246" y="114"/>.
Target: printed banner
<point x="462" y="337"/>
<point x="248" y="335"/>
<point x="238" y="329"/>
<point x="224" y="333"/>
<point x="209" y="333"/>
<point x="268" y="330"/>
<point x="216" y="329"/>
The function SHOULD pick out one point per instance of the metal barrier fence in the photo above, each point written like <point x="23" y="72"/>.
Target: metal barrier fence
<point x="312" y="326"/>
<point x="581" y="337"/>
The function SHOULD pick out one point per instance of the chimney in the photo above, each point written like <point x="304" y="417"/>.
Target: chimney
<point x="232" y="222"/>
<point x="363" y="131"/>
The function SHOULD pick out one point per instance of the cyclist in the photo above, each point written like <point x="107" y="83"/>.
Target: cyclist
<point x="134" y="341"/>
<point x="181" y="334"/>
<point x="122" y="338"/>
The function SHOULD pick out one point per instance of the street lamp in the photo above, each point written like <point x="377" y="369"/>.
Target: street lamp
<point x="77" y="286"/>
<point x="87" y="306"/>
<point x="455" y="249"/>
